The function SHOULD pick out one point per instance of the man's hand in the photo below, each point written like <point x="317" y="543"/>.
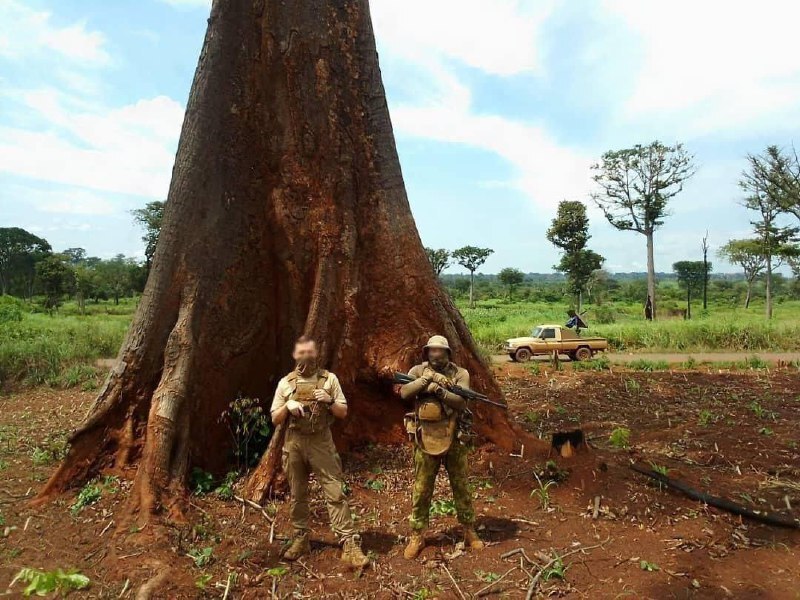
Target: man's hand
<point x="294" y="407"/>
<point x="322" y="396"/>
<point x="440" y="379"/>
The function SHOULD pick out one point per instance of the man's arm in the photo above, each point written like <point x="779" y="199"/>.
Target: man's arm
<point x="452" y="400"/>
<point x="413" y="389"/>
<point x="339" y="405"/>
<point x="279" y="411"/>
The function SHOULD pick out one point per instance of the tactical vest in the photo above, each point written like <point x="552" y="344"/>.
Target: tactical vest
<point x="317" y="415"/>
<point x="434" y="422"/>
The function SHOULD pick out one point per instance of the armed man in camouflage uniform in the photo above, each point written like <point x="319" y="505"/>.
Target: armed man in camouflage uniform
<point x="433" y="427"/>
<point x="311" y="398"/>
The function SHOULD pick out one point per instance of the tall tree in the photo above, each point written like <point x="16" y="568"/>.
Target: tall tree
<point x="691" y="274"/>
<point x="54" y="276"/>
<point x="150" y="218"/>
<point x="707" y="270"/>
<point x="765" y="196"/>
<point x="511" y="278"/>
<point x="74" y="256"/>
<point x="749" y="255"/>
<point x="569" y="231"/>
<point x="286" y="215"/>
<point x="20" y="250"/>
<point x="439" y="259"/>
<point x="471" y="258"/>
<point x="636" y="185"/>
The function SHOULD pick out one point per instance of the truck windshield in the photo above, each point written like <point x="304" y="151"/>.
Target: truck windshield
<point x="536" y="332"/>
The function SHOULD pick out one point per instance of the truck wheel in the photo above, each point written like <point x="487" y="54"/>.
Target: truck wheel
<point x="522" y="355"/>
<point x="583" y="353"/>
<point x="571" y="356"/>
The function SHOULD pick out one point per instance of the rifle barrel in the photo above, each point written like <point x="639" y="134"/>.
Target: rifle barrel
<point x="459" y="391"/>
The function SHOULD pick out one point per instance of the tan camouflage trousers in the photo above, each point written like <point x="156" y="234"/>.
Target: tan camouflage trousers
<point x="426" y="468"/>
<point x="315" y="453"/>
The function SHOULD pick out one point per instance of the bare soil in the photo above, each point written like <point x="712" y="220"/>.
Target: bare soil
<point x="732" y="434"/>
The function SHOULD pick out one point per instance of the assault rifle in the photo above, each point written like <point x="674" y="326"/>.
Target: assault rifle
<point x="402" y="378"/>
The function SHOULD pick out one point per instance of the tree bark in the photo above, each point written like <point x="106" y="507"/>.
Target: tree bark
<point x="286" y="215"/>
<point x="769" y="286"/>
<point x="651" y="275"/>
<point x="749" y="293"/>
<point x="472" y="289"/>
<point x="688" y="302"/>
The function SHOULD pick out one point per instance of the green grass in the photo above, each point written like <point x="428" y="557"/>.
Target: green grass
<point x="60" y="350"/>
<point x="721" y="328"/>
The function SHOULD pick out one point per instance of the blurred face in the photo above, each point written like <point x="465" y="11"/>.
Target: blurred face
<point x="305" y="352"/>
<point x="438" y="357"/>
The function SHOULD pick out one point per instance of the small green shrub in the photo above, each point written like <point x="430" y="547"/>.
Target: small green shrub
<point x="620" y="437"/>
<point x="11" y="309"/>
<point x="89" y="494"/>
<point x="202" y="482"/>
<point x="441" y="508"/>
<point x="201" y="557"/>
<point x="648" y="366"/>
<point x="43" y="583"/>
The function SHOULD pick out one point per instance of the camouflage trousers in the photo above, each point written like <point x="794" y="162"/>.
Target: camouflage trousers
<point x="426" y="468"/>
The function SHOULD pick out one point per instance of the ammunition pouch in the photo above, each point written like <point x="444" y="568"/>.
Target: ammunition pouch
<point x="430" y="410"/>
<point x="317" y="415"/>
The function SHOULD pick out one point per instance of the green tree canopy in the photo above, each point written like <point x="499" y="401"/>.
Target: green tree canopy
<point x="691" y="275"/>
<point x="471" y="258"/>
<point x="636" y="185"/>
<point x="439" y="259"/>
<point x="511" y="278"/>
<point x="150" y="218"/>
<point x="20" y="250"/>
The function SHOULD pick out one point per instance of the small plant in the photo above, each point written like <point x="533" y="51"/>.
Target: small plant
<point x="532" y="417"/>
<point x="648" y="366"/>
<point x="632" y="386"/>
<point x="89" y="494"/>
<point x="660" y="469"/>
<point x="202" y="580"/>
<point x="43" y="583"/>
<point x="3" y="465"/>
<point x="765" y="431"/>
<point x="487" y="577"/>
<point x="648" y="566"/>
<point x="423" y="594"/>
<point x="557" y="570"/>
<point x="375" y="485"/>
<point x="757" y="409"/>
<point x="225" y="489"/>
<point x="705" y="418"/>
<point x="689" y="364"/>
<point x="542" y="493"/>
<point x="202" y="481"/>
<point x="756" y="363"/>
<point x="201" y="557"/>
<point x="620" y="437"/>
<point x="534" y="368"/>
<point x="277" y="572"/>
<point x="441" y="508"/>
<point x="248" y="426"/>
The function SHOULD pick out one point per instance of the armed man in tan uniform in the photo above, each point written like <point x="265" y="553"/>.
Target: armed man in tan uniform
<point x="311" y="398"/>
<point x="434" y="428"/>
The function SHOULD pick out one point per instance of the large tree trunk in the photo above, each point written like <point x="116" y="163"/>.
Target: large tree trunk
<point x="651" y="275"/>
<point x="769" y="286"/>
<point x="286" y="214"/>
<point x="749" y="293"/>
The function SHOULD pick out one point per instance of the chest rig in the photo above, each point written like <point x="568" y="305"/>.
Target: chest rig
<point x="317" y="415"/>
<point x="432" y="425"/>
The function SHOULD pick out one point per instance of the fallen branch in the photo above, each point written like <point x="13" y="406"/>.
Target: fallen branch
<point x="485" y="590"/>
<point x="252" y="504"/>
<point x="538" y="576"/>
<point x="514" y="552"/>
<point x="721" y="503"/>
<point x="450" y="575"/>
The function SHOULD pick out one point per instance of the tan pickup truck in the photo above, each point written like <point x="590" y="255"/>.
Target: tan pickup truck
<point x="546" y="339"/>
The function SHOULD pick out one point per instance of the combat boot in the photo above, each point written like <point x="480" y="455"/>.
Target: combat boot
<point x="415" y="545"/>
<point x="471" y="539"/>
<point x="300" y="546"/>
<point x="352" y="555"/>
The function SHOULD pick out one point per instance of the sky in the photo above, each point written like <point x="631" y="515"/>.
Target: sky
<point x="499" y="110"/>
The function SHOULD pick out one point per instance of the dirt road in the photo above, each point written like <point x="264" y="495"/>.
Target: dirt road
<point x="773" y="358"/>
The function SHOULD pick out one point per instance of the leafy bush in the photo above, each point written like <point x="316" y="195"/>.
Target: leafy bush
<point x="43" y="583"/>
<point x="11" y="309"/>
<point x="620" y="437"/>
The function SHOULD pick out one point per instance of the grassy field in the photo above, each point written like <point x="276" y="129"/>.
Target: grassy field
<point x="720" y="328"/>
<point x="61" y="349"/>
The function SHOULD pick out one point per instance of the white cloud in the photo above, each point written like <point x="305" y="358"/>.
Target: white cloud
<point x="500" y="37"/>
<point x="125" y="150"/>
<point x="502" y="40"/>
<point x="714" y="65"/>
<point x="24" y="32"/>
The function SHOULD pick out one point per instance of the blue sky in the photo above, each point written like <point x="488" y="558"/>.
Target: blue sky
<point x="498" y="107"/>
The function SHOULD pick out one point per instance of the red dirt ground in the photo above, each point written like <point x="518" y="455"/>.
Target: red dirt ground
<point x="733" y="434"/>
